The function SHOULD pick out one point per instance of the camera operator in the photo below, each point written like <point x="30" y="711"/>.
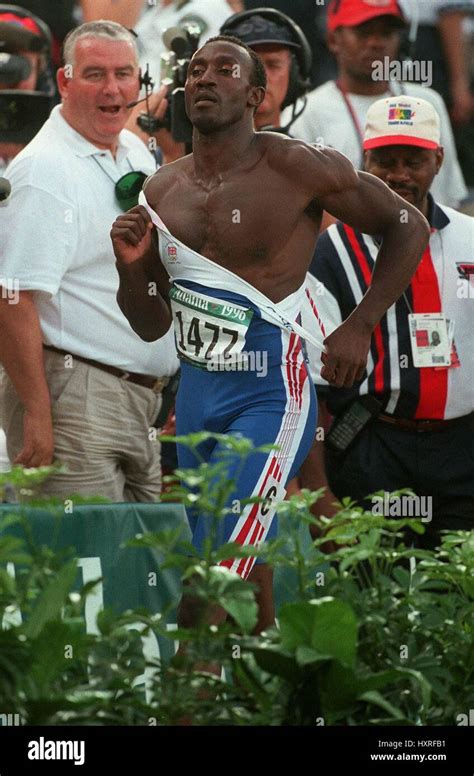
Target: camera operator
<point x="286" y="55"/>
<point x="25" y="51"/>
<point x="166" y="149"/>
<point x="163" y="114"/>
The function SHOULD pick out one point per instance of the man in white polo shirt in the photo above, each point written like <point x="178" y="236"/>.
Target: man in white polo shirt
<point x="420" y="372"/>
<point x="365" y="37"/>
<point x="82" y="388"/>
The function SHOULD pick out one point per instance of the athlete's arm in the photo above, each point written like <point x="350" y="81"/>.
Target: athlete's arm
<point x="143" y="289"/>
<point x="365" y="203"/>
<point x="369" y="205"/>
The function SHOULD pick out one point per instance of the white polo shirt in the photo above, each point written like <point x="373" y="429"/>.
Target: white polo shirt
<point x="327" y="120"/>
<point x="210" y="15"/>
<point x="55" y="229"/>
<point x="429" y="12"/>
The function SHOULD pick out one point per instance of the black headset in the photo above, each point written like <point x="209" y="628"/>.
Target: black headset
<point x="301" y="56"/>
<point x="45" y="81"/>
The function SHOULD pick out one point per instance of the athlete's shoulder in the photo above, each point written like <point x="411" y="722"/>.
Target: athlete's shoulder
<point x="283" y="150"/>
<point x="164" y="178"/>
<point x="303" y="161"/>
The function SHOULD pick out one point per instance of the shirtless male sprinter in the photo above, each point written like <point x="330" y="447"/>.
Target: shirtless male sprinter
<point x="237" y="225"/>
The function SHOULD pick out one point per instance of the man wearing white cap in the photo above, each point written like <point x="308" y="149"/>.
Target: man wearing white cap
<point x="410" y="422"/>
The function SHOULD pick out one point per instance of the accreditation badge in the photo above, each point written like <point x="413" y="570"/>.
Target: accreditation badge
<point x="429" y="338"/>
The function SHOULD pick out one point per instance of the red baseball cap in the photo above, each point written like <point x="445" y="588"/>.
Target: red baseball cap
<point x="19" y="32"/>
<point x="350" y="13"/>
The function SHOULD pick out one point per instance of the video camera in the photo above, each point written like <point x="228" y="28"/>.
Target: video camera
<point x="23" y="112"/>
<point x="182" y="43"/>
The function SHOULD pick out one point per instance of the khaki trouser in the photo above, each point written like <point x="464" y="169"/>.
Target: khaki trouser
<point x="101" y="430"/>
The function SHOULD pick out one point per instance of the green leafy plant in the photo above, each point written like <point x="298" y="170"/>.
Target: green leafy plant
<point x="375" y="633"/>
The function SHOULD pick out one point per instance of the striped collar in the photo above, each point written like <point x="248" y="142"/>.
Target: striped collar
<point x="437" y="218"/>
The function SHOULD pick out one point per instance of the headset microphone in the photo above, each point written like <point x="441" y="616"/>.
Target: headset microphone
<point x="146" y="81"/>
<point x="269" y="26"/>
<point x="137" y="102"/>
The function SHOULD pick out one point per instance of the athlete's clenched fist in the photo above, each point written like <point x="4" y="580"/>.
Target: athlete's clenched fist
<point x="131" y="235"/>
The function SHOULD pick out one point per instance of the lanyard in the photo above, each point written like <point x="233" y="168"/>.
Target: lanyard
<point x="354" y="117"/>
<point x="105" y="171"/>
<point x="352" y="113"/>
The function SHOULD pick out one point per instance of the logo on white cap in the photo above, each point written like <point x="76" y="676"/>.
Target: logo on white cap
<point x="402" y="120"/>
<point x="401" y="113"/>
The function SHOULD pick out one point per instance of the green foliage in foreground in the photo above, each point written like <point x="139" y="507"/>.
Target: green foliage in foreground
<point x="381" y="635"/>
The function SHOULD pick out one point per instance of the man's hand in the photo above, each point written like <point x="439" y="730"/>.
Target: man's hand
<point x="157" y="105"/>
<point x="346" y="353"/>
<point x="131" y="235"/>
<point x="38" y="440"/>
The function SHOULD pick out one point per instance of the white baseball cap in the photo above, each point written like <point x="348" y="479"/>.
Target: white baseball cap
<point x="402" y="120"/>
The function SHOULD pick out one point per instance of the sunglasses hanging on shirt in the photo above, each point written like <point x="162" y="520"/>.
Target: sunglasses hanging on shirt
<point x="128" y="187"/>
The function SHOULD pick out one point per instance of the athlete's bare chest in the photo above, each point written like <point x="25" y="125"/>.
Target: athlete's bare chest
<point x="231" y="222"/>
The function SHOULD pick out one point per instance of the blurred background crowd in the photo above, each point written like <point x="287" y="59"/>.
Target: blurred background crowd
<point x="438" y="31"/>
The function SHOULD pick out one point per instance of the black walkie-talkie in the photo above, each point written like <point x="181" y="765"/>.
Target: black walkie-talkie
<point x="347" y="426"/>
